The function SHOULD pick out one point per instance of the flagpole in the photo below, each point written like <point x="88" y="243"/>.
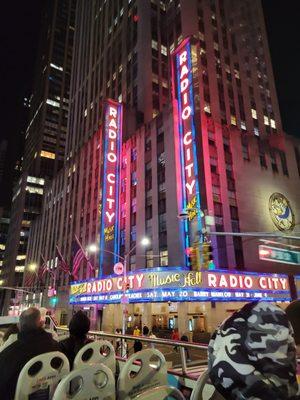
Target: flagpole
<point x="85" y="255"/>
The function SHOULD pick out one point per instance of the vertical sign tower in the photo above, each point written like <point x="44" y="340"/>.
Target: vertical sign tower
<point x="110" y="181"/>
<point x="185" y="141"/>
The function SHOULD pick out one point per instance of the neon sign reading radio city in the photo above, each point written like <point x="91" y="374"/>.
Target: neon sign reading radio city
<point x="112" y="142"/>
<point x="186" y="114"/>
<point x="185" y="134"/>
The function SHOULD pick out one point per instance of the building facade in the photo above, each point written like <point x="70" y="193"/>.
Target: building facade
<point x="201" y="130"/>
<point x="45" y="135"/>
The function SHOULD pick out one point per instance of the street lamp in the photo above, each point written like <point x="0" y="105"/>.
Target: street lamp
<point x="32" y="267"/>
<point x="93" y="248"/>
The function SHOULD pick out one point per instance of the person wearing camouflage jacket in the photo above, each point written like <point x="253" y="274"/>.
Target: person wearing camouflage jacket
<point x="252" y="355"/>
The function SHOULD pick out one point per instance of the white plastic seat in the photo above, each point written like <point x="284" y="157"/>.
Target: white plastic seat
<point x="144" y="370"/>
<point x="204" y="390"/>
<point x="95" y="382"/>
<point x="96" y="357"/>
<point x="42" y="374"/>
<point x="161" y="393"/>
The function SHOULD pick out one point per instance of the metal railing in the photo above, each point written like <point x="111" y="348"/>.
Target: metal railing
<point x="183" y="346"/>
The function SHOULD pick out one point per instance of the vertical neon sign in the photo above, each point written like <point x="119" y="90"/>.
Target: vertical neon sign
<point x="110" y="181"/>
<point x="185" y="132"/>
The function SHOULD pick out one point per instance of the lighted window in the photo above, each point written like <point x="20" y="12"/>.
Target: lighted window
<point x="149" y="259"/>
<point x="34" y="190"/>
<point x="56" y="67"/>
<point x="207" y="108"/>
<point x="21" y="257"/>
<point x="256" y="131"/>
<point x="163" y="254"/>
<point x="33" y="179"/>
<point x="233" y="120"/>
<point x="243" y="125"/>
<point x="253" y="113"/>
<point x="1" y="263"/>
<point x="154" y="45"/>
<point x="163" y="50"/>
<point x="1" y="281"/>
<point x="2" y="246"/>
<point x="273" y="123"/>
<point x="47" y="154"/>
<point x="266" y="120"/>
<point x="19" y="268"/>
<point x="52" y="103"/>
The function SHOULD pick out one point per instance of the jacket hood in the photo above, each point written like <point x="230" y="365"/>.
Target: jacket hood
<point x="252" y="355"/>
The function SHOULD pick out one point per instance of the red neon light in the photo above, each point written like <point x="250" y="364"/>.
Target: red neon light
<point x="186" y="117"/>
<point x="111" y="159"/>
<point x="264" y="252"/>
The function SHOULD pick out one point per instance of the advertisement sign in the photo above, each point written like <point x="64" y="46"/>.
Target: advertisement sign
<point x="185" y="132"/>
<point x="177" y="284"/>
<point x="110" y="181"/>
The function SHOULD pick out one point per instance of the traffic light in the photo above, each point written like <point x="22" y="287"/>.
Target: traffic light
<point x="207" y="256"/>
<point x="194" y="256"/>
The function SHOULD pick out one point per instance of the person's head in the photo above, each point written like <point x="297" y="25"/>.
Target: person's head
<point x="252" y="354"/>
<point x="13" y="328"/>
<point x="145" y="330"/>
<point x="79" y="325"/>
<point x="293" y="314"/>
<point x="30" y="320"/>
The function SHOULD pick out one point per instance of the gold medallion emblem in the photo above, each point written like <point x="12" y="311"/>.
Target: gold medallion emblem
<point x="281" y="212"/>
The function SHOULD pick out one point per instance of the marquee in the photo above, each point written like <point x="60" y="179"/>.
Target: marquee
<point x="178" y="284"/>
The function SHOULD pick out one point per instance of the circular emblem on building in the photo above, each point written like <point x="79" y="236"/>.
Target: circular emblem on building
<point x="281" y="212"/>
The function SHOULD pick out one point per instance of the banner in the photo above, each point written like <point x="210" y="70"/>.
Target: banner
<point x="177" y="284"/>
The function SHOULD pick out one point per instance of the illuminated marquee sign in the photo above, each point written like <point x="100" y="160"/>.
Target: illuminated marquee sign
<point x="112" y="142"/>
<point x="185" y="133"/>
<point x="177" y="284"/>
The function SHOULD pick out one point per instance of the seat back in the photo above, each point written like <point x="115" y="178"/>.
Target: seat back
<point x="161" y="393"/>
<point x="204" y="390"/>
<point x="41" y="375"/>
<point x="98" y="352"/>
<point x="93" y="382"/>
<point x="144" y="370"/>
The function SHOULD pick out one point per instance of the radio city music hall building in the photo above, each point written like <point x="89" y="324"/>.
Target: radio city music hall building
<point x="123" y="188"/>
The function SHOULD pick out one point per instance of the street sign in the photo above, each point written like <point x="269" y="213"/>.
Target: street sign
<point x="275" y="254"/>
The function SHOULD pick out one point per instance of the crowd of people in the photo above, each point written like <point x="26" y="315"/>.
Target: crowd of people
<point x="251" y="355"/>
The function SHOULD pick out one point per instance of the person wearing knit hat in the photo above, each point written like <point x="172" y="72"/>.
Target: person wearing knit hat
<point x="293" y="314"/>
<point x="252" y="355"/>
<point x="78" y="328"/>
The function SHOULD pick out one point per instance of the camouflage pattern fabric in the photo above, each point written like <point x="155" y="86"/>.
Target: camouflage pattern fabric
<point x="252" y="355"/>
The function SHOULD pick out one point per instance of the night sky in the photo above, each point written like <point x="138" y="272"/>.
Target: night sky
<point x="19" y="32"/>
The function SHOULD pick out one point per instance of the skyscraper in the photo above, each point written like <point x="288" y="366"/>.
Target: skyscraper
<point x="46" y="132"/>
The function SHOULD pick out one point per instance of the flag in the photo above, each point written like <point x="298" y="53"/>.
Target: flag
<point x="29" y="278"/>
<point x="61" y="262"/>
<point x="78" y="256"/>
<point x="42" y="270"/>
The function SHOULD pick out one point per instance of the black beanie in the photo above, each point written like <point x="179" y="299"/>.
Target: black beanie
<point x="79" y="324"/>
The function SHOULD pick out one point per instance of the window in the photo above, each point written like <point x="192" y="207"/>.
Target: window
<point x="163" y="255"/>
<point x="47" y="154"/>
<point x="254" y="113"/>
<point x="149" y="259"/>
<point x="284" y="163"/>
